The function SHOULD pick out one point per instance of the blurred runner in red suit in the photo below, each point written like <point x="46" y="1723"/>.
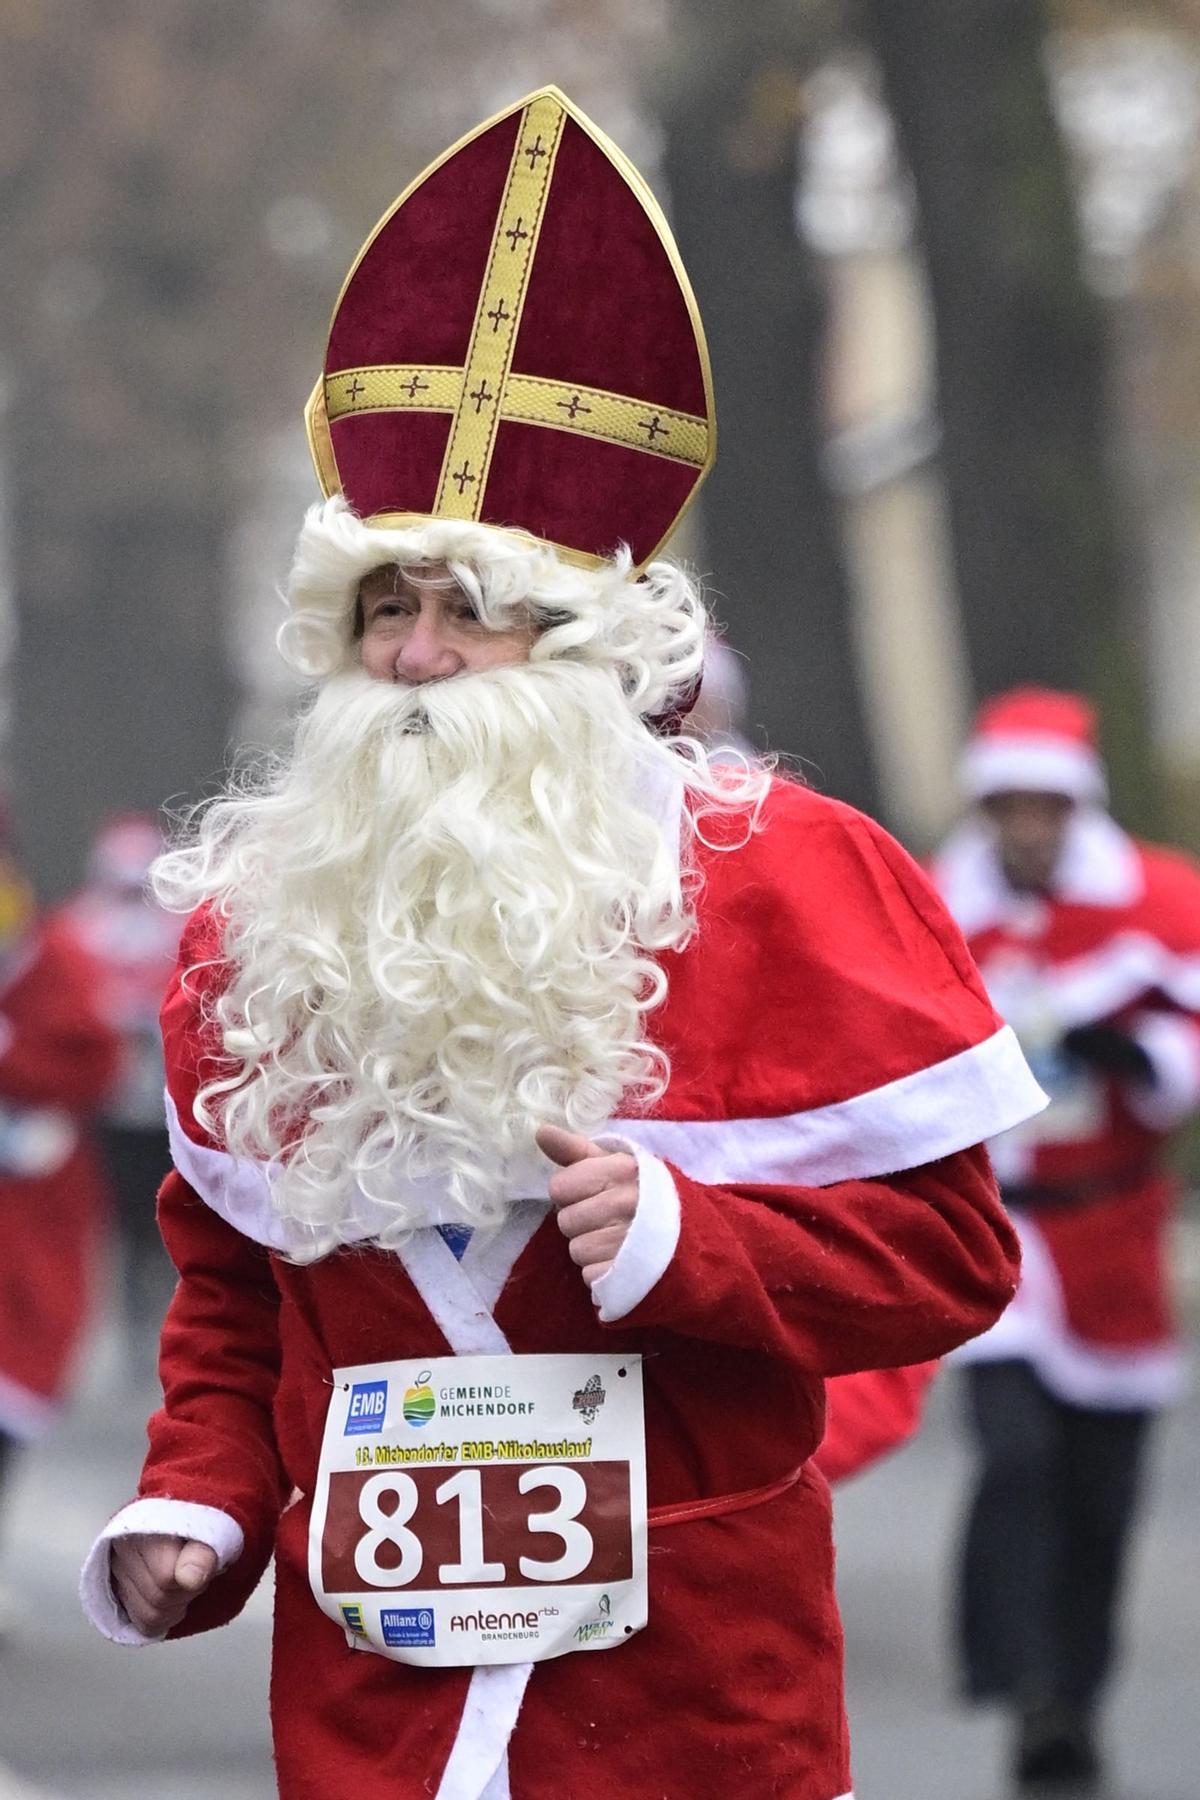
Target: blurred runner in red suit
<point x="1089" y="945"/>
<point x="132" y="942"/>
<point x="57" y="1058"/>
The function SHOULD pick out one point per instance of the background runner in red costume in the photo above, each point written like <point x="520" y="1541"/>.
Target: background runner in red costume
<point x="1089" y="944"/>
<point x="56" y="1058"/>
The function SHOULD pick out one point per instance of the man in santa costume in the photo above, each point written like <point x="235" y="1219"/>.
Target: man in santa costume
<point x="1089" y="944"/>
<point x="551" y="1112"/>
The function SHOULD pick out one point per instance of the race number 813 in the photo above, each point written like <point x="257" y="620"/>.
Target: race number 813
<point x="510" y="1524"/>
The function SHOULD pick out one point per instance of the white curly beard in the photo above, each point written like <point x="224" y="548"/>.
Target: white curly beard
<point x="441" y="920"/>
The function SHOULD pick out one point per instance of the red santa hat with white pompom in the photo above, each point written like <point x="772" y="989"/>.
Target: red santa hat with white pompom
<point x="1035" y="740"/>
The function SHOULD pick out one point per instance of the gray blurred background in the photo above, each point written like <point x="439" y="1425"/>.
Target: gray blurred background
<point x="947" y="252"/>
<point x="948" y="257"/>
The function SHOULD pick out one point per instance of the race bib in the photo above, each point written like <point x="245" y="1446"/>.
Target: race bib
<point x="483" y="1509"/>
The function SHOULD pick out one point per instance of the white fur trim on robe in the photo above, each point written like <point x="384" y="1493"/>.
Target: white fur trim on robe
<point x="477" y="1768"/>
<point x="462" y="1296"/>
<point x="917" y="1119"/>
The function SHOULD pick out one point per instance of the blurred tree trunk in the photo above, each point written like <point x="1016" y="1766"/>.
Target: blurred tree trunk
<point x="1041" y="557"/>
<point x="771" y="528"/>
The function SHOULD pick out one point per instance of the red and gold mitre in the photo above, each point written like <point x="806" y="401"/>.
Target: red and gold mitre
<point x="517" y="343"/>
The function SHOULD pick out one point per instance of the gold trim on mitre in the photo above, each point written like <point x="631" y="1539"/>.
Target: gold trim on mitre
<point x="608" y="418"/>
<point x="320" y="442"/>
<point x="498" y="311"/>
<point x="393" y="387"/>
<point x="477" y="405"/>
<point x="528" y="400"/>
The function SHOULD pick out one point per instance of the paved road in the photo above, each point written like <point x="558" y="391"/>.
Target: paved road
<point x="188" y="1723"/>
<point x="896" y="1529"/>
<point x="82" y="1717"/>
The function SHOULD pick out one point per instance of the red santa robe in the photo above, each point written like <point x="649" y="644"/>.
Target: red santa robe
<point x="812" y="1200"/>
<point x="1116" y="941"/>
<point x="56" y="1060"/>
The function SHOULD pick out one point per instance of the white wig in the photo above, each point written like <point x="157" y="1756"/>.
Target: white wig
<point x="651" y="631"/>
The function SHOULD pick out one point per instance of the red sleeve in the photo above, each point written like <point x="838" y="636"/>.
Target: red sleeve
<point x="869" y="1414"/>
<point x="212" y="1443"/>
<point x="60" y="1052"/>
<point x="856" y="1275"/>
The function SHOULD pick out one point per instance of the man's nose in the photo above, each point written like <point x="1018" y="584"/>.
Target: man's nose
<point x="426" y="654"/>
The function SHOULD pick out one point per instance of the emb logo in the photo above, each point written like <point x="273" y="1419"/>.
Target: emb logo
<point x="368" y="1404"/>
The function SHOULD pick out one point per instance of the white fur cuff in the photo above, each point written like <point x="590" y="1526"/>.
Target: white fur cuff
<point x="177" y="1518"/>
<point x="646" y="1253"/>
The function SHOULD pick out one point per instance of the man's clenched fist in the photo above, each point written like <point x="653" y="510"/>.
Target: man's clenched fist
<point x="156" y="1577"/>
<point x="596" y="1193"/>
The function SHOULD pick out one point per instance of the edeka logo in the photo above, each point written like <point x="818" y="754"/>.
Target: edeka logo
<point x="368" y="1404"/>
<point x="419" y="1403"/>
<point x="408" y="1627"/>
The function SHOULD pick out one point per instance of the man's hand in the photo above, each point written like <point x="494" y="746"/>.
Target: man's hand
<point x="156" y="1577"/>
<point x="596" y="1193"/>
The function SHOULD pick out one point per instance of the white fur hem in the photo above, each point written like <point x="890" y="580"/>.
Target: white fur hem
<point x="915" y="1119"/>
<point x="651" y="1241"/>
<point x="239" y="1191"/>
<point x="918" y="1118"/>
<point x="177" y="1518"/>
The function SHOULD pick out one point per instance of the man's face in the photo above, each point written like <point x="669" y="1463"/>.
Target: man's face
<point x="420" y="626"/>
<point x="1030" y="829"/>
